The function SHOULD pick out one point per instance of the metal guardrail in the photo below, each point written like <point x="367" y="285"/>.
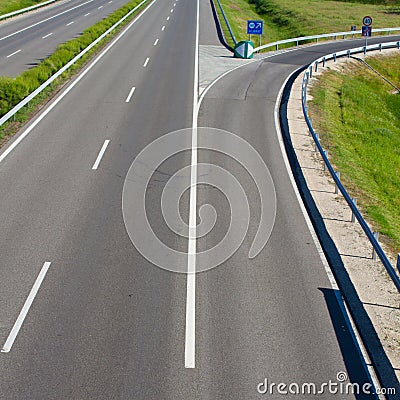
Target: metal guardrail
<point x="49" y="81"/>
<point x="307" y="75"/>
<point x="227" y="23"/>
<point x="335" y="35"/>
<point x="23" y="10"/>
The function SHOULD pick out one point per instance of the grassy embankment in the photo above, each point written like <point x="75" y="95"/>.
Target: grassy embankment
<point x="291" y="18"/>
<point x="13" y="90"/>
<point x="358" y="117"/>
<point x="7" y="6"/>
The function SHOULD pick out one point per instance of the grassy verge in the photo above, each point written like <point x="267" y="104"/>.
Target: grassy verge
<point x="7" y="6"/>
<point x="358" y="117"/>
<point x="290" y="18"/>
<point x="13" y="90"/>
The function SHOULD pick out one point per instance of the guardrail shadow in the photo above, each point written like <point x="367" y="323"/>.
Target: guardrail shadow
<point x="352" y="357"/>
<point x="379" y="358"/>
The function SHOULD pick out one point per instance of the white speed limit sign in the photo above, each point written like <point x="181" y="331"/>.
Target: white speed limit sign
<point x="367" y="21"/>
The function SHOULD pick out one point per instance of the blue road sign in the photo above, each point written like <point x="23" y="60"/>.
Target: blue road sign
<point x="366" y="31"/>
<point x="255" y="27"/>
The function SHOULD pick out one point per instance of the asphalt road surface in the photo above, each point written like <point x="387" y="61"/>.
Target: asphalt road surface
<point x="27" y="39"/>
<point x="105" y="323"/>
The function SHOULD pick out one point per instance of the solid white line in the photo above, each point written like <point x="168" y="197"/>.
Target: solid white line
<point x="45" y="20"/>
<point x="53" y="104"/>
<point x="146" y="62"/>
<point x="21" y="317"/>
<point x="190" y="329"/>
<point x="70" y="23"/>
<point x="156" y="42"/>
<point x="163" y="27"/>
<point x="13" y="54"/>
<point x="128" y="99"/>
<point x="320" y="251"/>
<point x="44" y="37"/>
<point x="87" y="14"/>
<point x="168" y="18"/>
<point x="101" y="154"/>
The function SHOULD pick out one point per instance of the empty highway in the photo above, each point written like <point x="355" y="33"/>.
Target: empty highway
<point x="83" y="313"/>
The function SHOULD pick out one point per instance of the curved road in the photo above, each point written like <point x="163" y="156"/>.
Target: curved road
<point x="105" y="323"/>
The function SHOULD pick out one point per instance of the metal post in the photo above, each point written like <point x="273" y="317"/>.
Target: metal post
<point x="316" y="147"/>
<point x="336" y="186"/>
<point x="326" y="154"/>
<point x="376" y="235"/>
<point x="323" y="61"/>
<point x="277" y="47"/>
<point x="353" y="216"/>
<point x="348" y="53"/>
<point x="398" y="262"/>
<point x="316" y="66"/>
<point x="334" y="57"/>
<point x="310" y="69"/>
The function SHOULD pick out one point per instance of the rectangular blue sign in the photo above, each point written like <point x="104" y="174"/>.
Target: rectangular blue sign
<point x="366" y="31"/>
<point x="255" y="27"/>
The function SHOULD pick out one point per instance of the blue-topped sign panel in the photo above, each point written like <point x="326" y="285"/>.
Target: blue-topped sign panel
<point x="366" y="31"/>
<point x="255" y="27"/>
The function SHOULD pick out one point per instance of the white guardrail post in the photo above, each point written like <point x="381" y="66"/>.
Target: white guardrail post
<point x="352" y="202"/>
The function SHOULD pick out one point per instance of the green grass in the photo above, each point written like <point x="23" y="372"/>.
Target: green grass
<point x="13" y="90"/>
<point x="358" y="117"/>
<point x="290" y="18"/>
<point x="7" y="6"/>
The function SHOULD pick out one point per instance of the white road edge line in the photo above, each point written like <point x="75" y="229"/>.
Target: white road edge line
<point x="156" y="42"/>
<point x="329" y="273"/>
<point x="128" y="99"/>
<point x="302" y="207"/>
<point x="45" y="20"/>
<point x="163" y="27"/>
<point x="13" y="54"/>
<point x="146" y="62"/>
<point x="53" y="104"/>
<point x="25" y="309"/>
<point x="190" y="329"/>
<point x="101" y="154"/>
<point x="46" y="36"/>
